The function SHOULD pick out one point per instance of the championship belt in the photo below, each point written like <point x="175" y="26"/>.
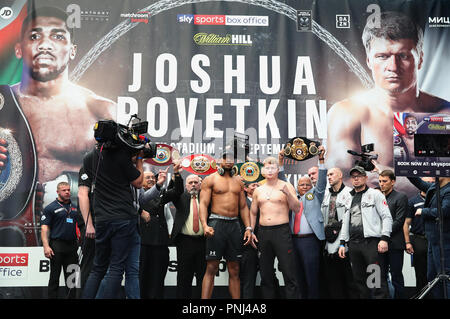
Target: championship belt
<point x="165" y="154"/>
<point x="400" y="149"/>
<point x="249" y="171"/>
<point x="301" y="148"/>
<point x="199" y="164"/>
<point x="17" y="175"/>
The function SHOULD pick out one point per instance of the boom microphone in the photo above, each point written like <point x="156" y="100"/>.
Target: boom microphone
<point x="353" y="153"/>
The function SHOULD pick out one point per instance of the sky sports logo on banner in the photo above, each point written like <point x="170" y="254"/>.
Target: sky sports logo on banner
<point x="208" y="19"/>
<point x="13" y="266"/>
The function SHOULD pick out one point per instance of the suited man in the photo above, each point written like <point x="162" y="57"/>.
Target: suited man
<point x="249" y="262"/>
<point x="398" y="206"/>
<point x="307" y="231"/>
<point x="154" y="252"/>
<point x="187" y="235"/>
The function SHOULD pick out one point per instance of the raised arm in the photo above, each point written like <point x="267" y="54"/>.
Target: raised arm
<point x="175" y="192"/>
<point x="420" y="184"/>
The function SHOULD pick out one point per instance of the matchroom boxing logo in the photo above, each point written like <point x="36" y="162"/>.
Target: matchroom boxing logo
<point x="13" y="266"/>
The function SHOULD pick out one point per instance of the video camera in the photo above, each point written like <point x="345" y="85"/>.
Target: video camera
<point x="131" y="138"/>
<point x="365" y="161"/>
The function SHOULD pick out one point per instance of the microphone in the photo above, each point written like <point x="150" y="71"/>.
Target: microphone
<point x="353" y="153"/>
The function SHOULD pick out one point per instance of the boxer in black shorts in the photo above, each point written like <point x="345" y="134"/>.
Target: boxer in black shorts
<point x="224" y="193"/>
<point x="226" y="241"/>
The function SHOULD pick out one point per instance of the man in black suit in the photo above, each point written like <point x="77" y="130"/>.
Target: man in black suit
<point x="398" y="206"/>
<point x="187" y="235"/>
<point x="249" y="261"/>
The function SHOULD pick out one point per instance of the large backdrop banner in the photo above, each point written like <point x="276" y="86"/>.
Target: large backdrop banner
<point x="199" y="71"/>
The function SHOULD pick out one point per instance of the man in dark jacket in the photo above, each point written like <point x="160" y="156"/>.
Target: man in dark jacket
<point x="430" y="217"/>
<point x="398" y="206"/>
<point x="154" y="254"/>
<point x="187" y="235"/>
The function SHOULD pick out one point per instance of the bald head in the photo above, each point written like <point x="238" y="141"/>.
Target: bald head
<point x="149" y="180"/>
<point x="335" y="176"/>
<point x="313" y="174"/>
<point x="192" y="184"/>
<point x="304" y="185"/>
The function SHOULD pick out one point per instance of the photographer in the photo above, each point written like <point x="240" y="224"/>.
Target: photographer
<point x="112" y="171"/>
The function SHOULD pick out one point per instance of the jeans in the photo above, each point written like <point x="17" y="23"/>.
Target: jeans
<point x="112" y="246"/>
<point x="434" y="257"/>
<point x="131" y="273"/>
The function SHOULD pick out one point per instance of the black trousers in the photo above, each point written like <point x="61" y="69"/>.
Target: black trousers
<point x="153" y="263"/>
<point x="190" y="262"/>
<point x="87" y="261"/>
<point x="65" y="254"/>
<point x="338" y="277"/>
<point x="420" y="245"/>
<point x="369" y="268"/>
<point x="248" y="269"/>
<point x="276" y="241"/>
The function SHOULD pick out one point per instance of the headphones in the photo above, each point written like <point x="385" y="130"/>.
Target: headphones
<point x="221" y="171"/>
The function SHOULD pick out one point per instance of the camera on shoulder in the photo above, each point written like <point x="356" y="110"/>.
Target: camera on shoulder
<point x="132" y="138"/>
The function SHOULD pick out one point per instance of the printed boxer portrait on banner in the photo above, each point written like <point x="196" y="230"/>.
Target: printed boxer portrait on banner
<point x="58" y="114"/>
<point x="394" y="56"/>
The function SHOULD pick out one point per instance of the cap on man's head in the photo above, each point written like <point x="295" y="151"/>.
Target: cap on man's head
<point x="359" y="169"/>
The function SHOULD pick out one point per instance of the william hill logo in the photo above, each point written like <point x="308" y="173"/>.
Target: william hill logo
<point x="228" y="39"/>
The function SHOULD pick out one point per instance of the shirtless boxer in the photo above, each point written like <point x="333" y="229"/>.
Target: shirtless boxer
<point x="394" y="55"/>
<point x="225" y="194"/>
<point x="274" y="199"/>
<point x="51" y="103"/>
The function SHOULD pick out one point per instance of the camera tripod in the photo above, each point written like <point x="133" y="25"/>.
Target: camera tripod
<point x="442" y="276"/>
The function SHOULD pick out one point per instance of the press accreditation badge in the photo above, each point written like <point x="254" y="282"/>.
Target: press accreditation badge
<point x="69" y="220"/>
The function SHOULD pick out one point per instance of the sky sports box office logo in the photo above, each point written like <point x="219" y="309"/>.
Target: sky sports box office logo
<point x="209" y="19"/>
<point x="13" y="265"/>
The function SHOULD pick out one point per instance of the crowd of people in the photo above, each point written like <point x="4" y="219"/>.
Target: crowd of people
<point x="331" y="240"/>
<point x="344" y="240"/>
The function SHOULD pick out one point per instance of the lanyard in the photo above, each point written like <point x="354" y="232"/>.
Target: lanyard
<point x="67" y="210"/>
